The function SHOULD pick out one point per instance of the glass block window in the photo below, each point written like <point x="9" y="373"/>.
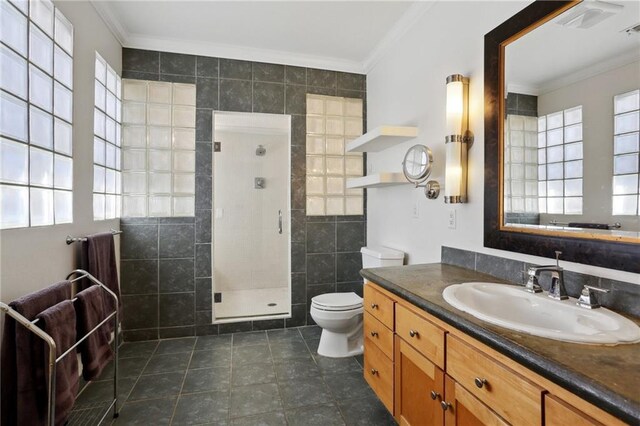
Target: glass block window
<point x="560" y="164"/>
<point x="106" y="142"/>
<point x="158" y="138"/>
<point x="333" y="122"/>
<point x="521" y="164"/>
<point x="626" y="153"/>
<point x="36" y="114"/>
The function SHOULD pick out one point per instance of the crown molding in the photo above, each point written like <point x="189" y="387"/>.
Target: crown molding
<point x="242" y="53"/>
<point x="406" y="22"/>
<point x="111" y="21"/>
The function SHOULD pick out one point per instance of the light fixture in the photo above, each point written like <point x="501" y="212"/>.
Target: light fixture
<point x="457" y="140"/>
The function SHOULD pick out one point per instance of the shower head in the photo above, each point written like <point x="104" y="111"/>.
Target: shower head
<point x="261" y="150"/>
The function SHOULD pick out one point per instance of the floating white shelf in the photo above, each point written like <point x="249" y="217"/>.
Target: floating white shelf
<point x="382" y="138"/>
<point x="377" y="180"/>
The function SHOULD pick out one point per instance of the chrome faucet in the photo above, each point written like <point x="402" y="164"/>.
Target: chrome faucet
<point x="557" y="290"/>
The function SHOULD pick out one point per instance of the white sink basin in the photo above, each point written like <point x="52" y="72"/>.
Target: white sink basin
<point x="511" y="307"/>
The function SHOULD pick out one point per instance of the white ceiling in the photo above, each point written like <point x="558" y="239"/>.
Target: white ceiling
<point x="553" y="55"/>
<point x="343" y="35"/>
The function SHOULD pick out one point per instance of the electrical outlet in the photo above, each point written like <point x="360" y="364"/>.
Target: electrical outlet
<point x="415" y="210"/>
<point x="452" y="219"/>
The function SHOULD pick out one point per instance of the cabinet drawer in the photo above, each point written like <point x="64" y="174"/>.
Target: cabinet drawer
<point x="422" y="334"/>
<point x="510" y="395"/>
<point x="378" y="305"/>
<point x="378" y="372"/>
<point x="558" y="413"/>
<point x="380" y="335"/>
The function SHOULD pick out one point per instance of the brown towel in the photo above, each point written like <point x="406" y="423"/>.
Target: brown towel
<point x="99" y="259"/>
<point x="96" y="351"/>
<point x="59" y="322"/>
<point x="24" y="395"/>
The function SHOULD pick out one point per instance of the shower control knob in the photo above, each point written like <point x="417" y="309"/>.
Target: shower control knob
<point x="374" y="306"/>
<point x="374" y="334"/>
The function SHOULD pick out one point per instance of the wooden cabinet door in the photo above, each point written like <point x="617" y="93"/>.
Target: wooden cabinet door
<point x="416" y="378"/>
<point x="559" y="413"/>
<point x="461" y="408"/>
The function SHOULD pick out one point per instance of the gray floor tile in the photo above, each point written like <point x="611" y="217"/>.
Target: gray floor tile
<point x="348" y="386"/>
<point x="268" y="419"/>
<point x="319" y="415"/>
<point x="220" y="357"/>
<point x="311" y="332"/>
<point x="137" y="349"/>
<point x="284" y="335"/>
<point x="365" y="412"/>
<point x="250" y="338"/>
<point x="207" y="343"/>
<point x="251" y="374"/>
<point x="169" y="346"/>
<point x="150" y="412"/>
<point x="360" y="359"/>
<point x="251" y="354"/>
<point x="304" y="391"/>
<point x="103" y="391"/>
<point x="168" y="363"/>
<point x="207" y="379"/>
<point x="254" y="399"/>
<point x="329" y="366"/>
<point x="296" y="368"/>
<point x="128" y="367"/>
<point x="199" y="408"/>
<point x="288" y="350"/>
<point x="313" y="345"/>
<point x="157" y="386"/>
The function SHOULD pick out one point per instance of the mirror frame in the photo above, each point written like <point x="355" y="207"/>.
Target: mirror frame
<point x="582" y="246"/>
<point x="426" y="172"/>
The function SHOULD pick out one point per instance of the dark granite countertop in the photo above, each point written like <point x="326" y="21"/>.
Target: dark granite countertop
<point x="606" y="376"/>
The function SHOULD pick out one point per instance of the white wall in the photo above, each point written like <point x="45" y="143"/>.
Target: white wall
<point x="407" y="87"/>
<point x="33" y="258"/>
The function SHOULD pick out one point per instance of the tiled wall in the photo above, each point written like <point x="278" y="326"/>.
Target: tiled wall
<point x="622" y="297"/>
<point x="166" y="262"/>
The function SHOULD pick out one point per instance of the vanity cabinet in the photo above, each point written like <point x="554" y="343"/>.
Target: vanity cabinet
<point x="427" y="372"/>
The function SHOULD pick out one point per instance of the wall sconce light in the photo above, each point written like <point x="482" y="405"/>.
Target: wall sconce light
<point x="457" y="140"/>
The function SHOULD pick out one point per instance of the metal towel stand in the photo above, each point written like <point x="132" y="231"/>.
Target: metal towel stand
<point x="53" y="361"/>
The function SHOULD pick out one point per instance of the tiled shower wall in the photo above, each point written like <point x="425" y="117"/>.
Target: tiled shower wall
<point x="166" y="262"/>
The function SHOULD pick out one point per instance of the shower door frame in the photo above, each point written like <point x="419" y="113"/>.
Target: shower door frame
<point x="286" y="221"/>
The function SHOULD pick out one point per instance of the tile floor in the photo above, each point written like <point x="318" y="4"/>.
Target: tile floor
<point x="253" y="378"/>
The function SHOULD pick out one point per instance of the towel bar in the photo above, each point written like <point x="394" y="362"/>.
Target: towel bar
<point x="70" y="240"/>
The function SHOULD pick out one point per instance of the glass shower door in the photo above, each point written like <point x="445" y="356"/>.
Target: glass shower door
<point x="251" y="226"/>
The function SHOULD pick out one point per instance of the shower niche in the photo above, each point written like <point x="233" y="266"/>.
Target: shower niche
<point x="251" y="216"/>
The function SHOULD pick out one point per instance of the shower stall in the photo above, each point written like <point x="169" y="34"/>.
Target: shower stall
<point x="251" y="220"/>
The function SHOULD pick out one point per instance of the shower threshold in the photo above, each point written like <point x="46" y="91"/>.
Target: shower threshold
<point x="253" y="304"/>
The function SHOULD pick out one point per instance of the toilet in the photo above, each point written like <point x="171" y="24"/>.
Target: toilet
<point x="340" y="314"/>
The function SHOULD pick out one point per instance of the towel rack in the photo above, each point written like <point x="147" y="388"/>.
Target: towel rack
<point x="53" y="361"/>
<point x="71" y="240"/>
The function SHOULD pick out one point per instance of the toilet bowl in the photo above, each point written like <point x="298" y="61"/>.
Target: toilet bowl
<point x="340" y="314"/>
<point x="340" y="317"/>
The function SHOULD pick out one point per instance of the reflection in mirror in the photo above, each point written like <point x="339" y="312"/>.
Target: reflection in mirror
<point x="571" y="149"/>
<point x="416" y="165"/>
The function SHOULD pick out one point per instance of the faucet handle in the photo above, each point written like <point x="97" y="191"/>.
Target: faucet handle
<point x="558" y="253"/>
<point x="588" y="297"/>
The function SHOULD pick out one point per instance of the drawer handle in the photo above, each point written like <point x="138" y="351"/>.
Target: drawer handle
<point x="445" y="405"/>
<point x="480" y="382"/>
<point x="374" y="306"/>
<point x="374" y="334"/>
<point x="374" y="371"/>
<point x="435" y="395"/>
<point x="413" y="333"/>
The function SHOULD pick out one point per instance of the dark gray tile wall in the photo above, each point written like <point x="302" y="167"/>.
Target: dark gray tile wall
<point x="520" y="104"/>
<point x="623" y="297"/>
<point x="162" y="299"/>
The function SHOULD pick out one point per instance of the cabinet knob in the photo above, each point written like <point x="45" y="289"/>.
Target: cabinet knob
<point x="374" y="371"/>
<point x="435" y="395"/>
<point x="374" y="334"/>
<point x="445" y="405"/>
<point x="413" y="333"/>
<point x="374" y="306"/>
<point x="480" y="382"/>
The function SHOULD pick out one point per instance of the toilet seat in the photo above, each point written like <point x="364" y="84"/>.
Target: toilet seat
<point x="337" y="302"/>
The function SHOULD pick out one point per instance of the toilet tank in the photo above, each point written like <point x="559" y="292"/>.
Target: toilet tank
<point x="377" y="256"/>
